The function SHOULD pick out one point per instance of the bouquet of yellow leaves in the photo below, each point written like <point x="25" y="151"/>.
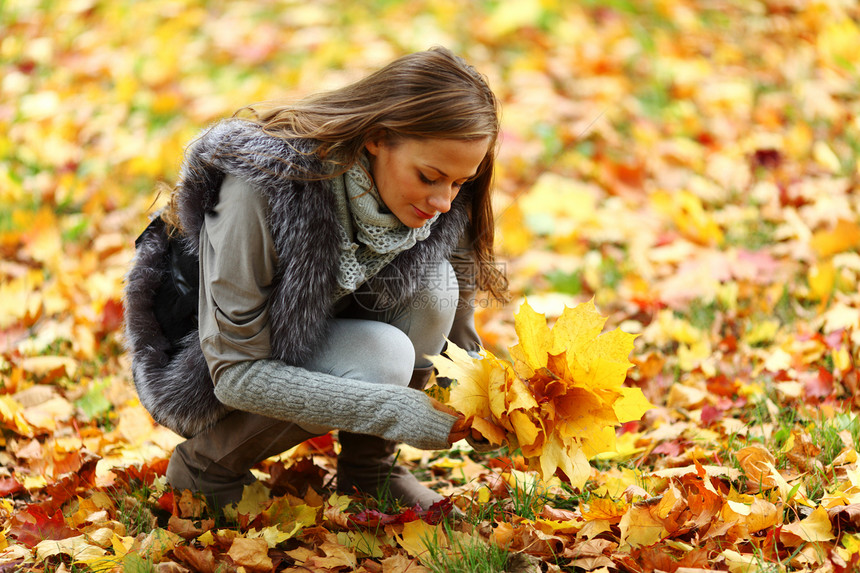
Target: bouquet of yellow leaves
<point x="561" y="399"/>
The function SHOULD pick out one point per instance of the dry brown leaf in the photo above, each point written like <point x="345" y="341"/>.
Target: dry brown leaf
<point x="187" y="528"/>
<point x="763" y="515"/>
<point x="251" y="553"/>
<point x="336" y="556"/>
<point x="202" y="560"/>
<point x="402" y="564"/>
<point x="754" y="460"/>
<point x="190" y="506"/>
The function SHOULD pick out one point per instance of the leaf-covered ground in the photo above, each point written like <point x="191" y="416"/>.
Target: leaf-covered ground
<point x="691" y="166"/>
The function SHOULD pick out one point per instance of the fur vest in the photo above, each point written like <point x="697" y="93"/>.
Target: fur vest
<point x="169" y="370"/>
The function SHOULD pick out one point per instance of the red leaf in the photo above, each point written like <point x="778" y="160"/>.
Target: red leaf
<point x="438" y="510"/>
<point x="112" y="315"/>
<point x="408" y="515"/>
<point x="145" y="474"/>
<point x="767" y="159"/>
<point x="672" y="448"/>
<point x="628" y="427"/>
<point x="166" y="501"/>
<point x="729" y="344"/>
<point x="817" y="384"/>
<point x="71" y="483"/>
<point x="834" y="339"/>
<point x="9" y="486"/>
<point x="711" y="414"/>
<point x="33" y="524"/>
<point x="721" y="385"/>
<point x="372" y="518"/>
<point x="321" y="444"/>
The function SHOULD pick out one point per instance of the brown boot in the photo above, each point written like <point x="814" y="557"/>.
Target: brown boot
<point x="217" y="462"/>
<point x="367" y="463"/>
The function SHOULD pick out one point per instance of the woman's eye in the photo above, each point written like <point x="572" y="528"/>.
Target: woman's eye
<point x="424" y="179"/>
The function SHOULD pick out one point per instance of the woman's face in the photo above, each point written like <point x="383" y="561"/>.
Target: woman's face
<point x="418" y="178"/>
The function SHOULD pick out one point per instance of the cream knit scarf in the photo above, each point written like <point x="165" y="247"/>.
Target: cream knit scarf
<point x="370" y="235"/>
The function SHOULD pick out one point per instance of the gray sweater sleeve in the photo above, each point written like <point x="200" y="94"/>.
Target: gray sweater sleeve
<point x="275" y="389"/>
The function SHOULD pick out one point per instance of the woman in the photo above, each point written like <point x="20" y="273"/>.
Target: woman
<point x="302" y="273"/>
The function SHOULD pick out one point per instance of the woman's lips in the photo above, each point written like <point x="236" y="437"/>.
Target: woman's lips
<point x="421" y="213"/>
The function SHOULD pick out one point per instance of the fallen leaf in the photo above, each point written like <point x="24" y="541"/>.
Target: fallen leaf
<point x="563" y="396"/>
<point x="33" y="525"/>
<point x="78" y="548"/>
<point x="639" y="528"/>
<point x="418" y="534"/>
<point x="754" y="461"/>
<point x="251" y="553"/>
<point x="814" y="528"/>
<point x="402" y="564"/>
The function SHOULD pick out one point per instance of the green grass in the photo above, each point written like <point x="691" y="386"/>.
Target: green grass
<point x="465" y="555"/>
<point x="784" y="424"/>
<point x="826" y="433"/>
<point x="526" y="498"/>
<point x="134" y="563"/>
<point x="751" y="234"/>
<point x="135" y="514"/>
<point x="701" y="314"/>
<point x="568" y="283"/>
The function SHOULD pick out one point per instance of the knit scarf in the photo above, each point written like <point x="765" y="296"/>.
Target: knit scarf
<point x="370" y="235"/>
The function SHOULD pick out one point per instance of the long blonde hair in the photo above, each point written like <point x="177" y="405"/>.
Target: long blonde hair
<point x="431" y="94"/>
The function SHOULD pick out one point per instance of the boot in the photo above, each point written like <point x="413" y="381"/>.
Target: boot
<point x="367" y="463"/>
<point x="218" y="461"/>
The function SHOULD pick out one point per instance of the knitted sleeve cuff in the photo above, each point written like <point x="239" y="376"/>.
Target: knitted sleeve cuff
<point x="277" y="390"/>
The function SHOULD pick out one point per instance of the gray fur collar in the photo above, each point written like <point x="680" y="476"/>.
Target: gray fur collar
<point x="177" y="390"/>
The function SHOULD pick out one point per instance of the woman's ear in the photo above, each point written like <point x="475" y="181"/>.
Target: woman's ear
<point x="372" y="147"/>
<point x="375" y="141"/>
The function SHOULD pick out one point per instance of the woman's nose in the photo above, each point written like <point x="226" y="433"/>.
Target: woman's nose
<point x="441" y="201"/>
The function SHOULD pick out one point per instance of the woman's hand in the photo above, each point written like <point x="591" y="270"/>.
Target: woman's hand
<point x="461" y="428"/>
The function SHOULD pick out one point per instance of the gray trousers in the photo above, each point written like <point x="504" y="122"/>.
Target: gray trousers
<point x="363" y="343"/>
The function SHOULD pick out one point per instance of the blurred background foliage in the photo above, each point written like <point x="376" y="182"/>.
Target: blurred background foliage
<point x="640" y="138"/>
<point x="689" y="165"/>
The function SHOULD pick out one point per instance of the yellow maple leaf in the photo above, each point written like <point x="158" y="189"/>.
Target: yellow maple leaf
<point x="632" y="405"/>
<point x="689" y="215"/>
<point x="470" y="396"/>
<point x="255" y="498"/>
<point x="599" y="441"/>
<point x="528" y="432"/>
<point x="604" y="508"/>
<point x="576" y="328"/>
<point x="418" y="535"/>
<point x="639" y="528"/>
<point x="535" y="341"/>
<point x="12" y="416"/>
<point x="567" y="456"/>
<point x="815" y="527"/>
<point x="561" y="399"/>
